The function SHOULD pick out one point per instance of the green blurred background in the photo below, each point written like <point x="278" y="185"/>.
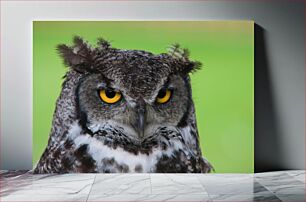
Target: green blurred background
<point x="223" y="91"/>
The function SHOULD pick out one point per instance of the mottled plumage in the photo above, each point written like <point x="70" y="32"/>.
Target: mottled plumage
<point x="134" y="134"/>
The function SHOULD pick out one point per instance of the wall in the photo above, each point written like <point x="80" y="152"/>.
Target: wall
<point x="279" y="67"/>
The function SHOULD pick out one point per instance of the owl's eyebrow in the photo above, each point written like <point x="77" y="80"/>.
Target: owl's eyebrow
<point x="107" y="86"/>
<point x="101" y="85"/>
<point x="106" y="82"/>
<point x="167" y="84"/>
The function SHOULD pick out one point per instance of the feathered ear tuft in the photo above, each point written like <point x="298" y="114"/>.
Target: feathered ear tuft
<point x="192" y="67"/>
<point x="182" y="56"/>
<point x="103" y="43"/>
<point x="175" y="51"/>
<point x="79" y="56"/>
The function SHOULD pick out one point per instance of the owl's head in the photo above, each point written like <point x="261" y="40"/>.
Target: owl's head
<point x="131" y="91"/>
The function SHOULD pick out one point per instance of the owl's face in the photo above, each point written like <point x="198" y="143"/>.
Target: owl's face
<point x="133" y="104"/>
<point x="133" y="91"/>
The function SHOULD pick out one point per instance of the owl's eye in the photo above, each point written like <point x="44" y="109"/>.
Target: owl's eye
<point x="109" y="96"/>
<point x="163" y="96"/>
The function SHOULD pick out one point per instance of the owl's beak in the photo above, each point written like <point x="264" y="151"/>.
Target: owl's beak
<point x="140" y="118"/>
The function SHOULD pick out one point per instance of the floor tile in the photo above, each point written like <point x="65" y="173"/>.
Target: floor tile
<point x="3" y="171"/>
<point x="43" y="198"/>
<point x="272" y="173"/>
<point x="49" y="184"/>
<point x="10" y="182"/>
<point x="176" y="184"/>
<point x="244" y="198"/>
<point x="260" y="189"/>
<point x="279" y="174"/>
<point x="121" y="184"/>
<point x="13" y="173"/>
<point x="239" y="184"/>
<point x="292" y="197"/>
<point x="151" y="197"/>
<point x="287" y="186"/>
<point x="282" y="183"/>
<point x="298" y="175"/>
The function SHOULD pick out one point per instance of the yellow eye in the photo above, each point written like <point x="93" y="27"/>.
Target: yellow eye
<point x="163" y="96"/>
<point x="110" y="96"/>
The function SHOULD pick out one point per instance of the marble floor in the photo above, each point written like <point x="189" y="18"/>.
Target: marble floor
<point x="270" y="186"/>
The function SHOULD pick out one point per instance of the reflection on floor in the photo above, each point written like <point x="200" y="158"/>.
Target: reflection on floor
<point x="272" y="186"/>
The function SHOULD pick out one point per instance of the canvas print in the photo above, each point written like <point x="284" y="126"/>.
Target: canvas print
<point x="152" y="97"/>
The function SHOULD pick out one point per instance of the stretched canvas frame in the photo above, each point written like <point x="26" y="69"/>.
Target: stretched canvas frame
<point x="223" y="90"/>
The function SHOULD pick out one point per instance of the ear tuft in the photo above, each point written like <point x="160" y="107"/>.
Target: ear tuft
<point x="79" y="56"/>
<point x="193" y="66"/>
<point x="103" y="43"/>
<point x="78" y="41"/>
<point x="70" y="58"/>
<point x="174" y="50"/>
<point x="182" y="56"/>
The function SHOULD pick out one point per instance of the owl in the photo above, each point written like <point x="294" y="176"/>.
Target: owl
<point x="124" y="111"/>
